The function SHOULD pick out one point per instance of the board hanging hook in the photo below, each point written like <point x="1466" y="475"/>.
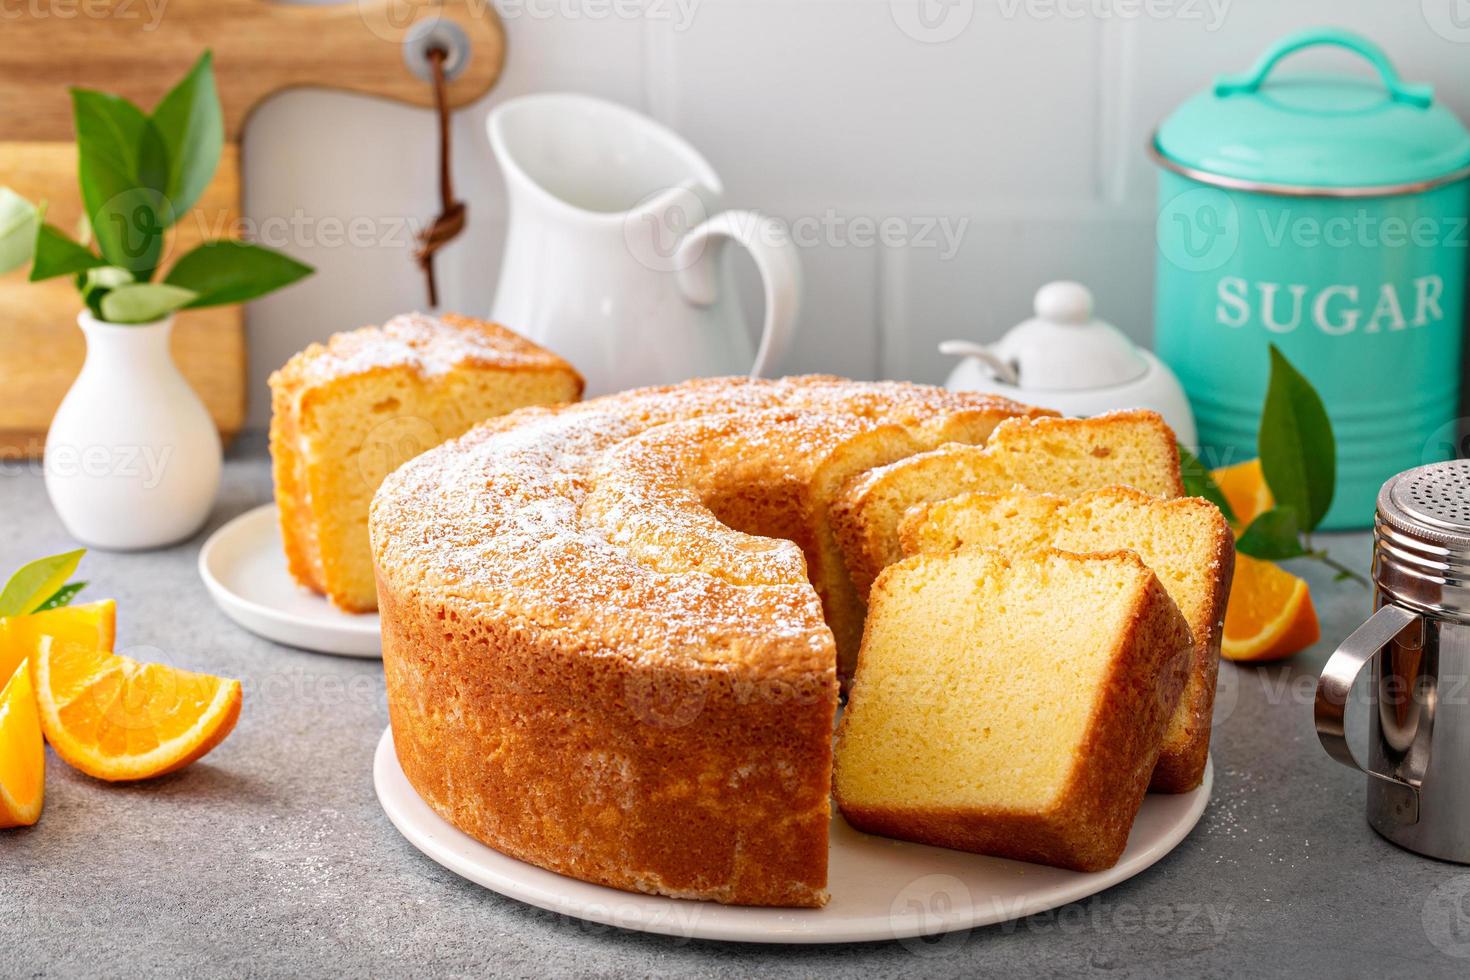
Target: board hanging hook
<point x="437" y="51"/>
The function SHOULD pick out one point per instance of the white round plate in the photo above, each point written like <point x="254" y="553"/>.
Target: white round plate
<point x="881" y="888"/>
<point x="244" y="568"/>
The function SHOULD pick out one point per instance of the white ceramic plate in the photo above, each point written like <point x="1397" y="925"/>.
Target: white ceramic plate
<point x="244" y="568"/>
<point x="881" y="888"/>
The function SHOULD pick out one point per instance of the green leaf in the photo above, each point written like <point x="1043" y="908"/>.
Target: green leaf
<point x="192" y="128"/>
<point x="110" y="130"/>
<point x="143" y="302"/>
<point x="1298" y="453"/>
<point x="1199" y="482"/>
<point x="123" y="175"/>
<point x="97" y="283"/>
<point x="57" y="255"/>
<point x="233" y="272"/>
<point x="62" y="596"/>
<point x="19" y="220"/>
<point x="1273" y="536"/>
<point x="33" y="584"/>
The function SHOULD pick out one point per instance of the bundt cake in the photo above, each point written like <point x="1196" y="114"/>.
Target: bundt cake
<point x="605" y="625"/>
<point x="1186" y="542"/>
<point x="346" y="413"/>
<point x="1012" y="706"/>
<point x="1065" y="456"/>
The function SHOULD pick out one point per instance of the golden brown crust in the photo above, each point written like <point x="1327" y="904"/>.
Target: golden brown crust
<point x="608" y="769"/>
<point x="414" y="349"/>
<point x="425" y="345"/>
<point x="589" y="670"/>
<point x="1181" y="767"/>
<point x="1087" y="827"/>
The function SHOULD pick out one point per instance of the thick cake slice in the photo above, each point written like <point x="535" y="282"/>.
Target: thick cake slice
<point x="347" y="413"/>
<point x="1186" y="542"/>
<point x="1011" y="706"/>
<point x="1066" y="456"/>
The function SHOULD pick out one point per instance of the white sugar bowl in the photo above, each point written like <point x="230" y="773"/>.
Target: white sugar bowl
<point x="1066" y="359"/>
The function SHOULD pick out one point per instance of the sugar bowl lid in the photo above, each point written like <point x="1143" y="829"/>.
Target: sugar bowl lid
<point x="1315" y="130"/>
<point x="1065" y="348"/>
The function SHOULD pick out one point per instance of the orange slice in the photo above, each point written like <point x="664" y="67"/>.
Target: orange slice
<point x="115" y="718"/>
<point x="1270" y="614"/>
<point x="22" y="756"/>
<point x="1244" y="487"/>
<point x="93" y="624"/>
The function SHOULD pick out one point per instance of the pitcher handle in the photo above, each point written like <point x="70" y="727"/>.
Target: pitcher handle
<point x="1336" y="683"/>
<point x="775" y="258"/>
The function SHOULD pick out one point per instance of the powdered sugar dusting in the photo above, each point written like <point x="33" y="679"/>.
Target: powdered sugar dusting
<point x="426" y="344"/>
<point x="588" y="518"/>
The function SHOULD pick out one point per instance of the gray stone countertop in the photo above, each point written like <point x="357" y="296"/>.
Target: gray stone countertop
<point x="272" y="856"/>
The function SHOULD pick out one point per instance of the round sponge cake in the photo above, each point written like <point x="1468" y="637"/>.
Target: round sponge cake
<point x="606" y="625"/>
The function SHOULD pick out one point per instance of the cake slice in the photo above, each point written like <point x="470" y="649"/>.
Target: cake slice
<point x="346" y="413"/>
<point x="1048" y="455"/>
<point x="1186" y="542"/>
<point x="1012" y="706"/>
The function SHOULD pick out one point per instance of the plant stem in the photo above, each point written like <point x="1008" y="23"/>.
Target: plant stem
<point x="1320" y="554"/>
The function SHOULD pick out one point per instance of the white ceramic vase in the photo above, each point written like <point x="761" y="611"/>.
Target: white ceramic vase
<point x="132" y="456"/>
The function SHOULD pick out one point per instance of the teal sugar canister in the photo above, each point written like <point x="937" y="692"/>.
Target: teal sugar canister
<point x="1325" y="214"/>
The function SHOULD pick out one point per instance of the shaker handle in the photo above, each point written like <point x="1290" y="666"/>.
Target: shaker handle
<point x="1419" y="96"/>
<point x="775" y="258"/>
<point x="1336" y="683"/>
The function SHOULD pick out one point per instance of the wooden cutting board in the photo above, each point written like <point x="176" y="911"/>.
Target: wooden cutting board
<point x="138" y="49"/>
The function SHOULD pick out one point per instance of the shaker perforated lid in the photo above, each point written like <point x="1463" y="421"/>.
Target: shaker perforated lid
<point x="1431" y="501"/>
<point x="1422" y="553"/>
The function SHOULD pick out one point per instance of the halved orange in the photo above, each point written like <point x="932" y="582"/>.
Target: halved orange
<point x="1270" y="614"/>
<point x="92" y="624"/>
<point x="115" y="718"/>
<point x="1244" y="487"/>
<point x="22" y="756"/>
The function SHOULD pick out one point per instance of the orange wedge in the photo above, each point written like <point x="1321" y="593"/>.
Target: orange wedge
<point x="1270" y="614"/>
<point x="93" y="624"/>
<point x="1244" y="487"/>
<point x="115" y="718"/>
<point x="22" y="756"/>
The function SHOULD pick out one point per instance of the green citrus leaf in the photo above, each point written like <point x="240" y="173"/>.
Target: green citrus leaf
<point x="1297" y="449"/>
<point x="1199" y="482"/>
<point x="122" y="169"/>
<point x="35" y="583"/>
<point x="143" y="302"/>
<point x="232" y="272"/>
<point x="57" y="255"/>
<point x="62" y="596"/>
<point x="191" y="126"/>
<point x="1273" y="536"/>
<point x="19" y="221"/>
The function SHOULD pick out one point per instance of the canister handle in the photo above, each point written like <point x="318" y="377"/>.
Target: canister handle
<point x="1420" y="96"/>
<point x="1336" y="683"/>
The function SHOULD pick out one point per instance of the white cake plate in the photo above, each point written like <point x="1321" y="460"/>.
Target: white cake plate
<point x="244" y="568"/>
<point x="881" y="888"/>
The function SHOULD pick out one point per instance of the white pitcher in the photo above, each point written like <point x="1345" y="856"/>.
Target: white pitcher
<point x="612" y="256"/>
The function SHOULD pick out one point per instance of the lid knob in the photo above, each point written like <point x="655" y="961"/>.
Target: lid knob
<point x="1064" y="302"/>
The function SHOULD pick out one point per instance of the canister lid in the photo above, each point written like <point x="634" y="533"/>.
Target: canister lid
<point x="1316" y="130"/>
